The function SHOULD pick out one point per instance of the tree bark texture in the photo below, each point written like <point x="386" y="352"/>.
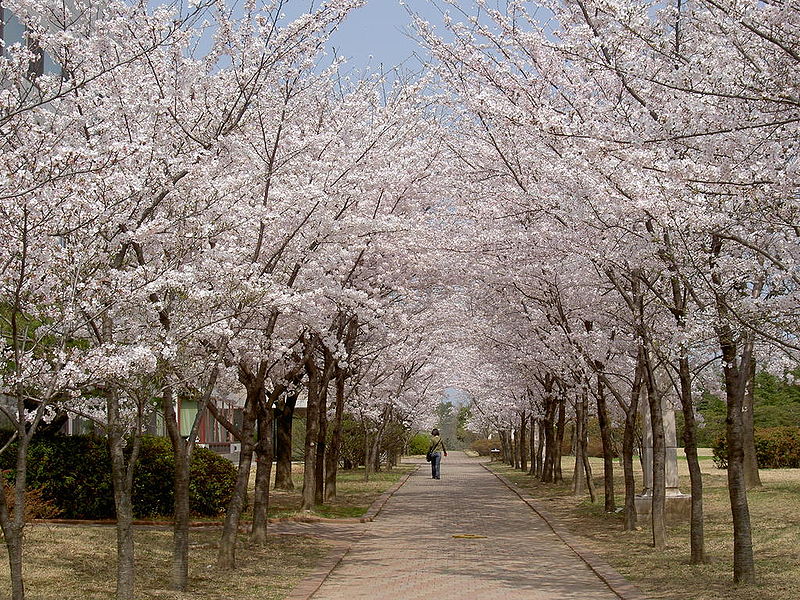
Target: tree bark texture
<point x="334" y="450"/>
<point x="283" y="449"/>
<point x="263" y="453"/>
<point x="608" y="449"/>
<point x="659" y="490"/>
<point x="226" y="555"/>
<point x="523" y="441"/>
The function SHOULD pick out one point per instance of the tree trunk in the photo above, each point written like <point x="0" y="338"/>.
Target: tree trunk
<point x="12" y="518"/>
<point x="122" y="476"/>
<point x="283" y="450"/>
<point x="332" y="457"/>
<point x="659" y="458"/>
<point x="532" y="449"/>
<point x="578" y="472"/>
<point x="696" y="533"/>
<point x="226" y="556"/>
<point x="523" y="442"/>
<point x="540" y="449"/>
<point x="608" y="449"/>
<point x="752" y="477"/>
<point x="312" y="435"/>
<point x="735" y="383"/>
<point x="322" y="433"/>
<point x="628" y="445"/>
<point x="180" y="531"/>
<point x="263" y="451"/>
<point x="557" y="474"/>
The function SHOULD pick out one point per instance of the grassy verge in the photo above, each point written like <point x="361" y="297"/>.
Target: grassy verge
<point x="353" y="495"/>
<point x="77" y="563"/>
<point x="667" y="575"/>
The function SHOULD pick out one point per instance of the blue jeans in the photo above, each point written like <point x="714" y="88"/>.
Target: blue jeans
<point x="436" y="465"/>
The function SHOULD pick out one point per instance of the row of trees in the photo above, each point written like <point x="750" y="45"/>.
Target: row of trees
<point x="582" y="199"/>
<point x="631" y="195"/>
<point x="200" y="202"/>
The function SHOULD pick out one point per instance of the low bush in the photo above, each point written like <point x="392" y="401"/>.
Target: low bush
<point x="73" y="474"/>
<point x="483" y="447"/>
<point x="776" y="448"/>
<point x="418" y="444"/>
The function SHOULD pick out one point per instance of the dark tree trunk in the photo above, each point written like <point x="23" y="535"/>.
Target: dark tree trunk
<point x="659" y="458"/>
<point x="322" y="434"/>
<point x="736" y="375"/>
<point x="12" y="518"/>
<point x="263" y="453"/>
<point x="523" y="442"/>
<point x="752" y="477"/>
<point x="283" y="449"/>
<point x="332" y="457"/>
<point x="312" y="435"/>
<point x="608" y="449"/>
<point x="696" y="533"/>
<point x="628" y="445"/>
<point x="226" y="556"/>
<point x="540" y="449"/>
<point x="180" y="531"/>
<point x="532" y="449"/>
<point x="557" y="474"/>
<point x="578" y="472"/>
<point x="122" y="477"/>
<point x="735" y="383"/>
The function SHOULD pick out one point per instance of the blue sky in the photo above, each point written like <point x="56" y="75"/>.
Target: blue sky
<point x="379" y="34"/>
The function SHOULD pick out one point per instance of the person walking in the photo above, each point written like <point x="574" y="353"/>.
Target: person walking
<point x="436" y="449"/>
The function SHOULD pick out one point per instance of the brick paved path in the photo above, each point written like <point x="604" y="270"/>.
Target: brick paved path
<point x="409" y="552"/>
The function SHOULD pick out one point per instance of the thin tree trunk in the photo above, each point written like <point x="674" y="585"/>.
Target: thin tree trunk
<point x="122" y="477"/>
<point x="735" y="382"/>
<point x="523" y="442"/>
<point x="180" y="531"/>
<point x="263" y="451"/>
<point x="628" y="445"/>
<point x="312" y="435"/>
<point x="578" y="473"/>
<point x="659" y="456"/>
<point x="540" y="450"/>
<point x="532" y="449"/>
<point x="332" y="457"/>
<point x="226" y="555"/>
<point x="12" y="518"/>
<point x="557" y="474"/>
<point x="283" y="450"/>
<point x="696" y="533"/>
<point x="752" y="477"/>
<point x="608" y="449"/>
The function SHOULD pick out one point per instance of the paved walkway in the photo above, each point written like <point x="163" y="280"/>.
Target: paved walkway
<point x="410" y="553"/>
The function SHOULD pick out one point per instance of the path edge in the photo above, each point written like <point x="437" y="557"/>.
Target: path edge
<point x="309" y="585"/>
<point x="620" y="586"/>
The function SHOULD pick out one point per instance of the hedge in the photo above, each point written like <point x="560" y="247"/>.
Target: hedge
<point x="776" y="448"/>
<point x="74" y="474"/>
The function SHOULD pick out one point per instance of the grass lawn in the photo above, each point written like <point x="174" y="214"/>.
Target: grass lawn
<point x="775" y="516"/>
<point x="78" y="563"/>
<point x="353" y="495"/>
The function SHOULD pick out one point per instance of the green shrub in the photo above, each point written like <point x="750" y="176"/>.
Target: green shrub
<point x="776" y="448"/>
<point x="74" y="474"/>
<point x="418" y="444"/>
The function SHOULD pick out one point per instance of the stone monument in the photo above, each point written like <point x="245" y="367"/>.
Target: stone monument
<point x="677" y="506"/>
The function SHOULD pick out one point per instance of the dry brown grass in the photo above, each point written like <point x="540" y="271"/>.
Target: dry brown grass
<point x="775" y="516"/>
<point x="354" y="495"/>
<point x="78" y="563"/>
